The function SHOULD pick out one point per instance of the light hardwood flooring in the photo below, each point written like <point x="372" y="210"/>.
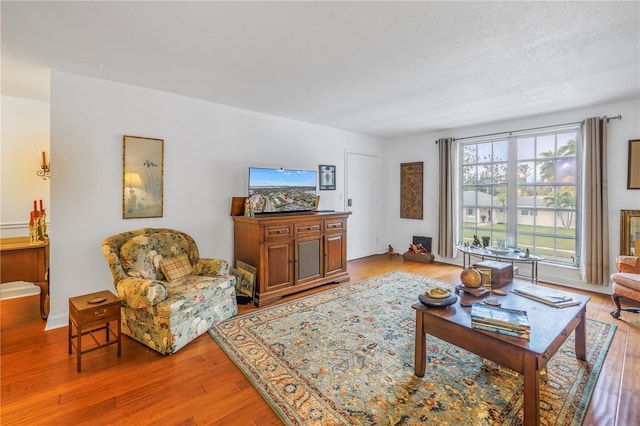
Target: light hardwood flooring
<point x="200" y="385"/>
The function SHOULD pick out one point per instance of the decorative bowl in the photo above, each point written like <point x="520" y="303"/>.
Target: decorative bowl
<point x="499" y="250"/>
<point x="438" y="293"/>
<point x="437" y="303"/>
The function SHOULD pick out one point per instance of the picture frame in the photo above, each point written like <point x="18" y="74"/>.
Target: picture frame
<point x="245" y="281"/>
<point x="486" y="277"/>
<point x="142" y="177"/>
<point x="633" y="172"/>
<point x="327" y="177"/>
<point x="630" y="232"/>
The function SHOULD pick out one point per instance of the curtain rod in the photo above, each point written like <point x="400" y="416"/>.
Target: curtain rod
<point x="617" y="117"/>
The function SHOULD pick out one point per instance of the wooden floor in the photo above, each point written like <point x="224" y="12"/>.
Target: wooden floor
<point x="200" y="385"/>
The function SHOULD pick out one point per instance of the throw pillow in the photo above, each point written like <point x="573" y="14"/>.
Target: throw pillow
<point x="138" y="258"/>
<point x="176" y="267"/>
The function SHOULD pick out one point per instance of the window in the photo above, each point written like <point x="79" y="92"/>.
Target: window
<point x="522" y="191"/>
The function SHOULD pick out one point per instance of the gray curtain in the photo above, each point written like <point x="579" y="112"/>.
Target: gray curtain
<point x="446" y="209"/>
<point x="595" y="236"/>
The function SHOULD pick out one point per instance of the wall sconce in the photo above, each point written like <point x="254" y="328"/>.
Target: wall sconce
<point x="45" y="168"/>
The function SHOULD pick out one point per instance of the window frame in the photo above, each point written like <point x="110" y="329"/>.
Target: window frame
<point x="513" y="217"/>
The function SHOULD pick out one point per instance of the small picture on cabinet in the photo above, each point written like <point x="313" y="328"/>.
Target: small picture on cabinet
<point x="245" y="281"/>
<point x="327" y="177"/>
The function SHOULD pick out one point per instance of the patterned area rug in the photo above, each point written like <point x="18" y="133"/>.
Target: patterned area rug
<point x="345" y="356"/>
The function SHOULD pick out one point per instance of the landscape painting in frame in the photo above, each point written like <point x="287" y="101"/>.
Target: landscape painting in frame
<point x="142" y="177"/>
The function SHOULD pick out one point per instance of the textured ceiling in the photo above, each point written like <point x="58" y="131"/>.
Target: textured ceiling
<point x="386" y="69"/>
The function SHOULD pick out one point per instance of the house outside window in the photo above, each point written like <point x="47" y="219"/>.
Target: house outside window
<point x="523" y="190"/>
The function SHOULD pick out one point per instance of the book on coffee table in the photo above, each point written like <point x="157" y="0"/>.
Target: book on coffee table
<point x="502" y="317"/>
<point x="546" y="295"/>
<point x="510" y="322"/>
<point x="505" y="331"/>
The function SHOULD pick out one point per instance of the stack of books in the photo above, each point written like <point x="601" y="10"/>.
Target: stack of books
<point x="510" y="322"/>
<point x="546" y="295"/>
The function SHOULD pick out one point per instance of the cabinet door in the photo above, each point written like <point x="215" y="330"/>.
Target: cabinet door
<point x="335" y="254"/>
<point x="278" y="270"/>
<point x="308" y="259"/>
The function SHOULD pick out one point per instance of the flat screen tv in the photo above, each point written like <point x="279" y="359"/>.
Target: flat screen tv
<point x="282" y="190"/>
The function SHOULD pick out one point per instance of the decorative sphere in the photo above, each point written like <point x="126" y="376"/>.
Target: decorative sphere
<point x="471" y="277"/>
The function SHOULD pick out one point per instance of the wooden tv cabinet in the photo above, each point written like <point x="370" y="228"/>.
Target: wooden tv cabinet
<point x="292" y="251"/>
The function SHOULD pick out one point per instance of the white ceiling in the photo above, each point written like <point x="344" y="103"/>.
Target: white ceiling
<point x="386" y="69"/>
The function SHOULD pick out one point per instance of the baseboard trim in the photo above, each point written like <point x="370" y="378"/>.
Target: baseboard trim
<point x="57" y="321"/>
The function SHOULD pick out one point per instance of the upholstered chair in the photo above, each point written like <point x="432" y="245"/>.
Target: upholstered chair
<point x="626" y="283"/>
<point x="169" y="294"/>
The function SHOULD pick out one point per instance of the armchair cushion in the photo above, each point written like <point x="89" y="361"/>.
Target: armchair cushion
<point x="629" y="281"/>
<point x="176" y="267"/>
<point x="140" y="293"/>
<point x="630" y="264"/>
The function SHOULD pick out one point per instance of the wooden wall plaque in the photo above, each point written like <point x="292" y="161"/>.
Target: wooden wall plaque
<point x="411" y="186"/>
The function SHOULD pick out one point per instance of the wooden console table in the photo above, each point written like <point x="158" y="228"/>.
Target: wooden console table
<point x="22" y="261"/>
<point x="292" y="251"/>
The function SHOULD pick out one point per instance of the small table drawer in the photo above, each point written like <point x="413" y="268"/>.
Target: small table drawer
<point x="99" y="313"/>
<point x="335" y="225"/>
<point x="308" y="228"/>
<point x="278" y="231"/>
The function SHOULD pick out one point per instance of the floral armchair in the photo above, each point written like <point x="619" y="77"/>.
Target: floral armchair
<point x="169" y="294"/>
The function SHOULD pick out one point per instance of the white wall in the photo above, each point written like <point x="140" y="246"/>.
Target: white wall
<point x="208" y="149"/>
<point x="25" y="132"/>
<point x="423" y="148"/>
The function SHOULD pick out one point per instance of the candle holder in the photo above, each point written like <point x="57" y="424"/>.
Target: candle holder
<point x="45" y="167"/>
<point x="44" y="172"/>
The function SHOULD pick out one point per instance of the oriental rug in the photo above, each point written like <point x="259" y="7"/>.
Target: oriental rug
<point x="345" y="356"/>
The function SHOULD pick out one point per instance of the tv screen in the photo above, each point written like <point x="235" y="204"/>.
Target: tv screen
<point x="282" y="190"/>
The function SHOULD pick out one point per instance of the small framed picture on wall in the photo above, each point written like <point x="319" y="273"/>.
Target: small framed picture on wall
<point x="327" y="177"/>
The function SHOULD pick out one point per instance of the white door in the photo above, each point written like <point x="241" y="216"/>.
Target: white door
<point x="362" y="189"/>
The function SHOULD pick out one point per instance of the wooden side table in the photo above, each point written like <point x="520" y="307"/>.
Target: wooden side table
<point x="90" y="314"/>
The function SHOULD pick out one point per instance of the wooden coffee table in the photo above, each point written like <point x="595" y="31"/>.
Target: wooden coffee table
<point x="550" y="327"/>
